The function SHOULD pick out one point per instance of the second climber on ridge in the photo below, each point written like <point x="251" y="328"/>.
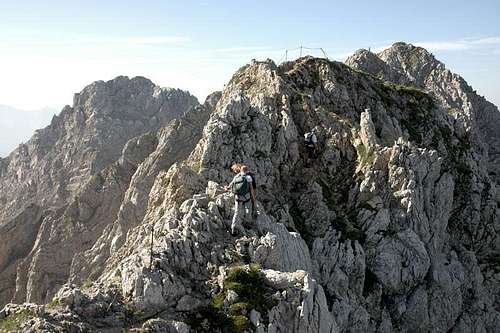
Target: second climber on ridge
<point x="311" y="144"/>
<point x="244" y="196"/>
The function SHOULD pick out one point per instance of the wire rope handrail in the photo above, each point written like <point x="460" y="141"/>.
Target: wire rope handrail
<point x="301" y="49"/>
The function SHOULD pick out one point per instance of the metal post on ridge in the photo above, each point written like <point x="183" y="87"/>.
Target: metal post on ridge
<point x="301" y="50"/>
<point x="151" y="248"/>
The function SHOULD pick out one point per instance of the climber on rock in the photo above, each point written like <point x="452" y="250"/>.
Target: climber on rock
<point x="253" y="186"/>
<point x="311" y="144"/>
<point x="244" y="196"/>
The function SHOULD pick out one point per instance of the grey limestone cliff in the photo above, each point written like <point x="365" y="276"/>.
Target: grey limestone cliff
<point x="61" y="172"/>
<point x="394" y="227"/>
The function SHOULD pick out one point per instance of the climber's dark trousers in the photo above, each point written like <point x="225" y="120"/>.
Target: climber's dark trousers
<point x="311" y="153"/>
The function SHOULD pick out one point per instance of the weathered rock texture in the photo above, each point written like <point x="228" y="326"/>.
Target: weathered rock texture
<point x="408" y="65"/>
<point x="393" y="228"/>
<point x="62" y="182"/>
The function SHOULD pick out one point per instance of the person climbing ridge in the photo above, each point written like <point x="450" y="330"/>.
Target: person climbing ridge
<point x="244" y="195"/>
<point x="311" y="143"/>
<point x="253" y="185"/>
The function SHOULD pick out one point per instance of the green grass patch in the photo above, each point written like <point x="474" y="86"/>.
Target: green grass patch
<point x="240" y="308"/>
<point x="164" y="181"/>
<point x="54" y="303"/>
<point x="414" y="91"/>
<point x="196" y="167"/>
<point x="364" y="73"/>
<point x="241" y="323"/>
<point x="15" y="321"/>
<point x="87" y="284"/>
<point x="248" y="283"/>
<point x="366" y="156"/>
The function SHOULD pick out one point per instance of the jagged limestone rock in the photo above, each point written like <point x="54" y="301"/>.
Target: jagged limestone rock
<point x="59" y="174"/>
<point x="367" y="129"/>
<point x="390" y="229"/>
<point x="134" y="205"/>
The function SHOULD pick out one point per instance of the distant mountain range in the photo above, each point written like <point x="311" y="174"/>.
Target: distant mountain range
<point x="18" y="125"/>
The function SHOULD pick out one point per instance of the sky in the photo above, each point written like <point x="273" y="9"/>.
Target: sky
<point x="50" y="50"/>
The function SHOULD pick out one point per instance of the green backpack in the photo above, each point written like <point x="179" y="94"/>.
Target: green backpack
<point x="240" y="185"/>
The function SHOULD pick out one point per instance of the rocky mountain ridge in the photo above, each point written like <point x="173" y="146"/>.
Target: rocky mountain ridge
<point x="394" y="227"/>
<point x="414" y="66"/>
<point x="40" y="178"/>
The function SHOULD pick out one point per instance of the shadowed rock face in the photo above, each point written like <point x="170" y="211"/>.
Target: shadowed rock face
<point x="394" y="227"/>
<point x="41" y="178"/>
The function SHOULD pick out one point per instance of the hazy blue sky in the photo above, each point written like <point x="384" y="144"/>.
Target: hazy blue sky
<point x="51" y="49"/>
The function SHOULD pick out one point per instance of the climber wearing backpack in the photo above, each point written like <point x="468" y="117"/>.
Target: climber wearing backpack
<point x="253" y="186"/>
<point x="311" y="144"/>
<point x="244" y="196"/>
